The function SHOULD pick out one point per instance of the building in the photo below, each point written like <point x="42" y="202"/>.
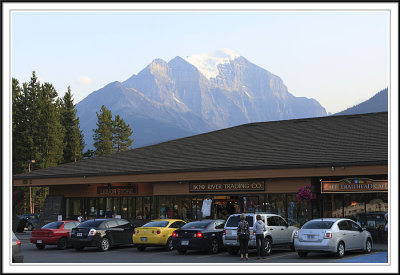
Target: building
<point x="247" y="168"/>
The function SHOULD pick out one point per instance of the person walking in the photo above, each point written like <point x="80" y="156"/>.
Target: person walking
<point x="243" y="236"/>
<point x="259" y="229"/>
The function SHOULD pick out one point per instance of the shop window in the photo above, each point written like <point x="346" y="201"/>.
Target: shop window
<point x="332" y="206"/>
<point x="165" y="207"/>
<point x="67" y="209"/>
<point x="146" y="208"/>
<point x="139" y="208"/>
<point x="102" y="207"/>
<point x="124" y="208"/>
<point x="131" y="208"/>
<point x="92" y="204"/>
<point x="250" y="204"/>
<point x="354" y="207"/>
<point x="76" y="207"/>
<point x="276" y="204"/>
<point x="117" y="206"/>
<point x="182" y="204"/>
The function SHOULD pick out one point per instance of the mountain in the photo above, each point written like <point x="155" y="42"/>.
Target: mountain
<point x="201" y="93"/>
<point x="377" y="103"/>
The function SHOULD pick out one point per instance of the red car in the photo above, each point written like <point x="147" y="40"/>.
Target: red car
<point x="54" y="233"/>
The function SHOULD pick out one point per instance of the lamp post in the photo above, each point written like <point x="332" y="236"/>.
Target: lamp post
<point x="30" y="187"/>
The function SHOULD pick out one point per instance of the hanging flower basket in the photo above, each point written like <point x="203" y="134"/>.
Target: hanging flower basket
<point x="305" y="194"/>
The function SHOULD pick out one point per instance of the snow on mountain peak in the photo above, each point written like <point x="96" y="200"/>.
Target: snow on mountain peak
<point x="208" y="63"/>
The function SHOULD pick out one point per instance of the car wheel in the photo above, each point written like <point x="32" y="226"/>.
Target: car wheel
<point x="233" y="250"/>
<point x="79" y="248"/>
<point x="30" y="227"/>
<point x="40" y="246"/>
<point x="292" y="246"/>
<point x="340" y="250"/>
<point x="267" y="246"/>
<point x="169" y="246"/>
<point x="62" y="243"/>
<point x="302" y="254"/>
<point x="181" y="251"/>
<point x="214" y="247"/>
<point x="141" y="247"/>
<point x="104" y="244"/>
<point x="368" y="246"/>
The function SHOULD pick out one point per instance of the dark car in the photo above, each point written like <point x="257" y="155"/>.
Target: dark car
<point x="199" y="235"/>
<point x="31" y="220"/>
<point x="54" y="233"/>
<point x="17" y="256"/>
<point x="102" y="233"/>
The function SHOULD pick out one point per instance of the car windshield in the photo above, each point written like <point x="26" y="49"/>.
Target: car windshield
<point x="90" y="223"/>
<point x="199" y="224"/>
<point x="234" y="221"/>
<point x="318" y="225"/>
<point x="156" y="224"/>
<point x="53" y="225"/>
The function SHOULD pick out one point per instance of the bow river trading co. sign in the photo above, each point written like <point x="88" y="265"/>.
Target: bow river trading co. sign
<point x="354" y="186"/>
<point x="227" y="186"/>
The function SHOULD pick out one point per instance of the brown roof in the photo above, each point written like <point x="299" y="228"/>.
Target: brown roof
<point x="312" y="142"/>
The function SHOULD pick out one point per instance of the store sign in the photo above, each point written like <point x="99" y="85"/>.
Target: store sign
<point x="354" y="186"/>
<point x="117" y="191"/>
<point x="227" y="186"/>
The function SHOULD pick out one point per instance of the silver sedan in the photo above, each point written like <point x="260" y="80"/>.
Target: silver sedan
<point x="331" y="235"/>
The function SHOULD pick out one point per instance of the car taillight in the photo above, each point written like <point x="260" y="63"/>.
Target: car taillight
<point x="328" y="235"/>
<point x="224" y="232"/>
<point x="92" y="232"/>
<point x="198" y="235"/>
<point x="18" y="242"/>
<point x="296" y="234"/>
<point x="158" y="232"/>
<point x="174" y="234"/>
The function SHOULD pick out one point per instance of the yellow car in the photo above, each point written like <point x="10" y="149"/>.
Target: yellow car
<point x="156" y="233"/>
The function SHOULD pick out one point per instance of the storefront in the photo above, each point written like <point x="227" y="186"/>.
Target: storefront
<point x="250" y="168"/>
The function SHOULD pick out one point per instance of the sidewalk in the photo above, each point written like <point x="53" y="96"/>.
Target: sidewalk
<point x="380" y="247"/>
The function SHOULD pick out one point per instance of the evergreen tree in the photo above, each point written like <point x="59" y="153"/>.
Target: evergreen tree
<point x="73" y="140"/>
<point x="121" y="134"/>
<point x="103" y="135"/>
<point x="51" y="132"/>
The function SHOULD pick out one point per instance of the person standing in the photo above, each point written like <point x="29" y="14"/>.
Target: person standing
<point x="109" y="213"/>
<point x="243" y="236"/>
<point x="259" y="229"/>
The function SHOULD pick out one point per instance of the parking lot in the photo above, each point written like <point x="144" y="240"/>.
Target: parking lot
<point x="129" y="254"/>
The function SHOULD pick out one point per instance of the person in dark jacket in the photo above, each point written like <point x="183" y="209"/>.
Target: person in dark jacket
<point x="259" y="229"/>
<point x="243" y="236"/>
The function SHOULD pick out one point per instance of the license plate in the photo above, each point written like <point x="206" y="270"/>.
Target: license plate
<point x="39" y="241"/>
<point x="184" y="242"/>
<point x="310" y="237"/>
<point x="233" y="232"/>
<point x="79" y="234"/>
<point x="143" y="239"/>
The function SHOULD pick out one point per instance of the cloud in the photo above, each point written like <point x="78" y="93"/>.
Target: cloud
<point x="85" y="80"/>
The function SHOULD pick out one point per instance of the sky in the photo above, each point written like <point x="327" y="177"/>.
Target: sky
<point x="340" y="58"/>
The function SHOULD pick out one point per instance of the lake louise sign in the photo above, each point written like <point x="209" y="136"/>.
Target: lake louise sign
<point x="354" y="186"/>
<point x="227" y="186"/>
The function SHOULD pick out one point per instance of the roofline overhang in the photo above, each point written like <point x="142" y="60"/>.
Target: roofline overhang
<point x="298" y="166"/>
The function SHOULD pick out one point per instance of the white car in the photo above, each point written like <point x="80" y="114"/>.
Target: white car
<point x="331" y="235"/>
<point x="278" y="233"/>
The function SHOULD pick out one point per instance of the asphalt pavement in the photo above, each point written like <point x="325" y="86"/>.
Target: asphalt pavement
<point x="129" y="254"/>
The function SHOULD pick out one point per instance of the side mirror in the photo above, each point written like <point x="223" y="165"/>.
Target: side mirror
<point x="363" y="229"/>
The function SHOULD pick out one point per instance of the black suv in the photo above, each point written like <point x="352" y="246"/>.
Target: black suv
<point x="102" y="233"/>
